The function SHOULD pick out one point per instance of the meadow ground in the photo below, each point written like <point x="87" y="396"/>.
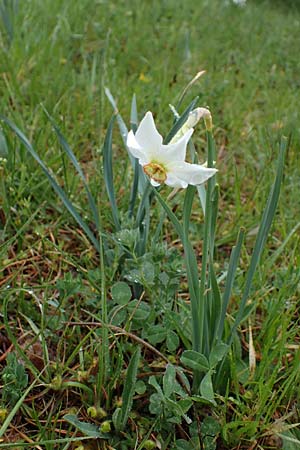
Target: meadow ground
<point x="91" y="339"/>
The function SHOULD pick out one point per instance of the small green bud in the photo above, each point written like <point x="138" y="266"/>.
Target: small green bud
<point x="96" y="412"/>
<point x="149" y="445"/>
<point x="3" y="414"/>
<point x="92" y="412"/>
<point x="105" y="427"/>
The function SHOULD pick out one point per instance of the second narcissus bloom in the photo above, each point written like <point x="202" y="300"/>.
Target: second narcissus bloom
<point x="165" y="163"/>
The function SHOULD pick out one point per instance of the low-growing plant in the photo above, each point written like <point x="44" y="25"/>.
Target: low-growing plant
<point x="136" y="291"/>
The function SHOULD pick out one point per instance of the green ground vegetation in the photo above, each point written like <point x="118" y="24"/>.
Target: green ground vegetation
<point x="89" y="340"/>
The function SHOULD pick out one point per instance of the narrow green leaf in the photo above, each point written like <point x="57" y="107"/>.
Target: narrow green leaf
<point x="232" y="267"/>
<point x="133" y="115"/>
<point x="263" y="231"/>
<point x="59" y="191"/>
<point x="143" y="204"/>
<point x="3" y="145"/>
<point x="144" y="229"/>
<point x="177" y="225"/>
<point x="134" y="188"/>
<point x="280" y="249"/>
<point x="120" y="121"/>
<point x="192" y="267"/>
<point x="129" y="386"/>
<point x="65" y="146"/>
<point x="214" y="295"/>
<point x="139" y="178"/>
<point x="180" y="122"/>
<point x="216" y="303"/>
<point x="108" y="173"/>
<point x="207" y="260"/>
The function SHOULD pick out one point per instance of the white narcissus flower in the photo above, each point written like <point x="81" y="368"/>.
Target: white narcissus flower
<point x="165" y="163"/>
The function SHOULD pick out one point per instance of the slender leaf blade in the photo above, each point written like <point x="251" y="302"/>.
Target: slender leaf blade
<point x="129" y="386"/>
<point x="59" y="191"/>
<point x="65" y="146"/>
<point x="180" y="122"/>
<point x="263" y="231"/>
<point x="108" y="173"/>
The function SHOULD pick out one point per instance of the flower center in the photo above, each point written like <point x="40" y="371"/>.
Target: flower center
<point x="155" y="171"/>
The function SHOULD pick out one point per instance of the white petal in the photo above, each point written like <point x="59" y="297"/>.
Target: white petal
<point x="190" y="173"/>
<point x="135" y="149"/>
<point x="147" y="135"/>
<point x="175" y="182"/>
<point x="177" y="151"/>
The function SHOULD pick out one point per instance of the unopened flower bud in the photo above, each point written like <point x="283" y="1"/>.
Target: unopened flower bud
<point x="105" y="427"/>
<point x="192" y="121"/>
<point x="96" y="412"/>
<point x="195" y="116"/>
<point x="149" y="445"/>
<point x="3" y="414"/>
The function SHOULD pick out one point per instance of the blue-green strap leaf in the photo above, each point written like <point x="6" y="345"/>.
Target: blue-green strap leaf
<point x="108" y="173"/>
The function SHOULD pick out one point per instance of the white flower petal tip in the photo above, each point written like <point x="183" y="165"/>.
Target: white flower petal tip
<point x="166" y="163"/>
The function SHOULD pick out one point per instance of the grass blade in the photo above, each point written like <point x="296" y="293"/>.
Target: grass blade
<point x="65" y="146"/>
<point x="264" y="228"/>
<point x="143" y="203"/>
<point x="129" y="386"/>
<point x="214" y="296"/>
<point x="139" y="179"/>
<point x="59" y="191"/>
<point x="191" y="261"/>
<point x="177" y="225"/>
<point x="121" y="123"/>
<point x="108" y="173"/>
<point x="208" y="244"/>
<point x="7" y="12"/>
<point x="133" y="115"/>
<point x="233" y="263"/>
<point x="192" y="270"/>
